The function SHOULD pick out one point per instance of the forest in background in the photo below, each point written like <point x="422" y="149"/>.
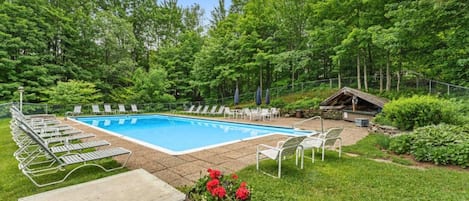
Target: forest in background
<point x="123" y="51"/>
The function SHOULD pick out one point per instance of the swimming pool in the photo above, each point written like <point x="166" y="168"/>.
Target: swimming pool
<point x="178" y="135"/>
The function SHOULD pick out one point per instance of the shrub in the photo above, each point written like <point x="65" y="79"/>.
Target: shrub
<point x="305" y="103"/>
<point x="216" y="186"/>
<point x="442" y="144"/>
<point x="418" y="111"/>
<point x="278" y="103"/>
<point x="401" y="144"/>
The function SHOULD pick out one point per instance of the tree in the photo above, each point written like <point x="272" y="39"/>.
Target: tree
<point x="73" y="92"/>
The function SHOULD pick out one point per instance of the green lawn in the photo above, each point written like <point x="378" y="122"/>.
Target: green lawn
<point x="14" y="185"/>
<point x="357" y="178"/>
<point x="347" y="178"/>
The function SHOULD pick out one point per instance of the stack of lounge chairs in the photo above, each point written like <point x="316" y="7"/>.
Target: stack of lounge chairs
<point x="48" y="148"/>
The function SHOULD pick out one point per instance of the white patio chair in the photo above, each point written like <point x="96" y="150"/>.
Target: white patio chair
<point x="324" y="140"/>
<point x="228" y="113"/>
<point x="291" y="146"/>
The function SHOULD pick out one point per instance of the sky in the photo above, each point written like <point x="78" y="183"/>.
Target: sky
<point x="207" y="5"/>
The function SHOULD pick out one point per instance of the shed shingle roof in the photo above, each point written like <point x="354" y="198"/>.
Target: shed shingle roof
<point x="354" y="92"/>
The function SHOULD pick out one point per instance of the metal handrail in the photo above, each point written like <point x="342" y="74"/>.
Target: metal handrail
<point x="312" y="118"/>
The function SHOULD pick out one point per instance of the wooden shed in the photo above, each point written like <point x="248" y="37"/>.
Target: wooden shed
<point x="354" y="104"/>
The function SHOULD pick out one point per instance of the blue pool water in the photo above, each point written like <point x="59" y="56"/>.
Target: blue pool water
<point x="177" y="135"/>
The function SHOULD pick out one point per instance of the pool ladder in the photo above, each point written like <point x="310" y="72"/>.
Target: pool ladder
<point x="294" y="125"/>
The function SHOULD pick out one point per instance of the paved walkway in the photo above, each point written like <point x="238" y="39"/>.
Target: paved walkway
<point x="185" y="169"/>
<point x="133" y="185"/>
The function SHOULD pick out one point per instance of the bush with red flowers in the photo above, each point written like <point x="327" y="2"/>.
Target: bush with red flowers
<point x="216" y="186"/>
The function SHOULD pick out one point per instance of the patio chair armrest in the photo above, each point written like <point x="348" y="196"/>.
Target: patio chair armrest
<point x="265" y="147"/>
<point x="334" y="138"/>
<point x="283" y="148"/>
<point x="313" y="138"/>
<point x="280" y="143"/>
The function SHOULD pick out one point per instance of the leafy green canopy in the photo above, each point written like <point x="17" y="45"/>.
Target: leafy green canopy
<point x="73" y="92"/>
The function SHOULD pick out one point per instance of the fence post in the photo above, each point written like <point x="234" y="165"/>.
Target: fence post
<point x="330" y="83"/>
<point x="448" y="88"/>
<point x="430" y="86"/>
<point x="302" y="87"/>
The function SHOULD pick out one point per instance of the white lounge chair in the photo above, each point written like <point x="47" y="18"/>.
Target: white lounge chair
<point x="121" y="108"/>
<point x="220" y="111"/>
<point x="204" y="110"/>
<point x="108" y="109"/>
<point x="212" y="110"/>
<point x="134" y="108"/>
<point x="191" y="108"/>
<point x="95" y="109"/>
<point x="323" y="140"/>
<point x="76" y="111"/>
<point x="291" y="146"/>
<point x="197" y="110"/>
<point x="33" y="165"/>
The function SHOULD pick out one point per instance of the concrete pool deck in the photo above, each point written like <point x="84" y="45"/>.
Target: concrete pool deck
<point x="181" y="170"/>
<point x="132" y="185"/>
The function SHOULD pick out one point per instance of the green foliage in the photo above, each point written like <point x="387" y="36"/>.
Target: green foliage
<point x="150" y="87"/>
<point x="304" y="104"/>
<point x="442" y="144"/>
<point x="401" y="144"/>
<point x="278" y="103"/>
<point x="73" y="92"/>
<point x="417" y="111"/>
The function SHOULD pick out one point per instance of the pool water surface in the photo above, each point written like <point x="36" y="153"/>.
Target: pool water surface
<point x="178" y="135"/>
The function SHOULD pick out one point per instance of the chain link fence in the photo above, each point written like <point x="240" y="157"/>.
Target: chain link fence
<point x="406" y="83"/>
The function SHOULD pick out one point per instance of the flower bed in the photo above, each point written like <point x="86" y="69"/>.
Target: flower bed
<point x="216" y="186"/>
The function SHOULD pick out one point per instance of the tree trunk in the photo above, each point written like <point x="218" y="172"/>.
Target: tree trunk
<point x="292" y="77"/>
<point x="339" y="79"/>
<point x="380" y="79"/>
<point x="388" y="73"/>
<point x="260" y="76"/>
<point x="398" y="80"/>
<point x="365" y="77"/>
<point x="359" y="84"/>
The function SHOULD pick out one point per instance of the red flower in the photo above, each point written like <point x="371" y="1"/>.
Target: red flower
<point x="234" y="176"/>
<point x="211" y="185"/>
<point x="219" y="192"/>
<point x="214" y="174"/>
<point x="242" y="193"/>
<point x="243" y="184"/>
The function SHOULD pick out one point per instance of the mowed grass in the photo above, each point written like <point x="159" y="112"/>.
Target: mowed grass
<point x="356" y="178"/>
<point x="14" y="185"/>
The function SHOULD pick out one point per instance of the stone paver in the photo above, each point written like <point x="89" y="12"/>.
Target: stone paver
<point x="185" y="169"/>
